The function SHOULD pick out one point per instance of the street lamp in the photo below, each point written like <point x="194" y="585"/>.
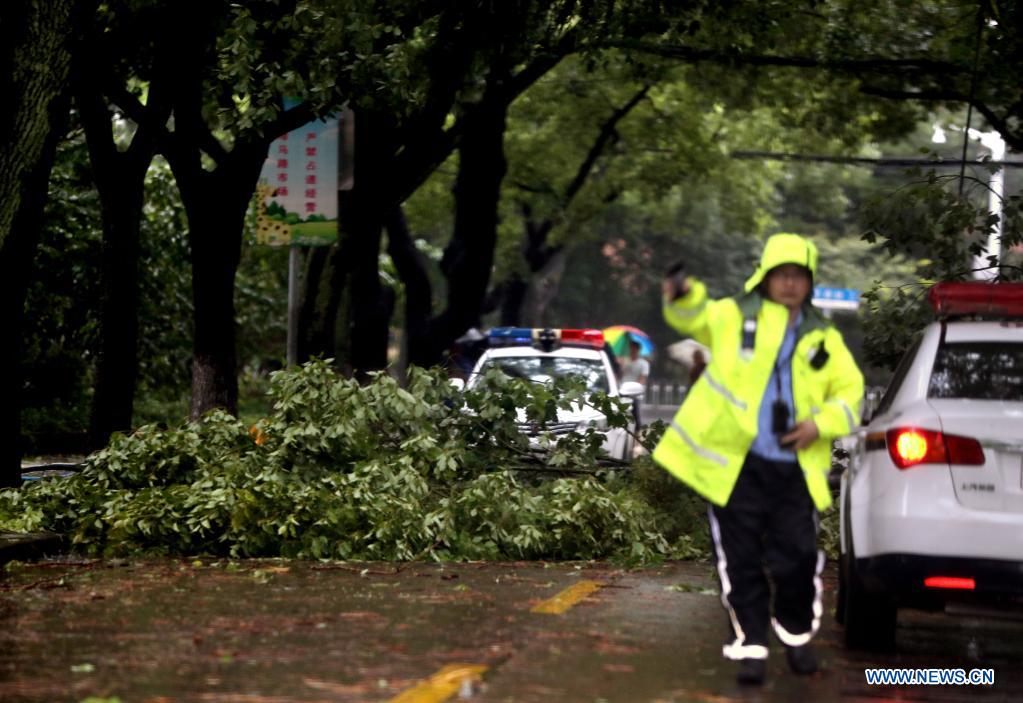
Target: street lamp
<point x="996" y="187"/>
<point x="995" y="145"/>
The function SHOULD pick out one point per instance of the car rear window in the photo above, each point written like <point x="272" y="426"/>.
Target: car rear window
<point x="978" y="371"/>
<point x="905" y="363"/>
<point x="545" y="369"/>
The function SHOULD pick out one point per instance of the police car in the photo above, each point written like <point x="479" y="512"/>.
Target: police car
<point x="931" y="505"/>
<point x="543" y="355"/>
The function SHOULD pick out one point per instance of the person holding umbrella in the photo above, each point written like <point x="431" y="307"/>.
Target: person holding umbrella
<point x="754" y="438"/>
<point x="635" y="367"/>
<point x="632" y="345"/>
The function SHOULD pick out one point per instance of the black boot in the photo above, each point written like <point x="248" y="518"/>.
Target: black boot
<point x="802" y="660"/>
<point x="751" y="671"/>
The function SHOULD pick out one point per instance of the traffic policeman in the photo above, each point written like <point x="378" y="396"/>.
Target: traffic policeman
<point x="754" y="438"/>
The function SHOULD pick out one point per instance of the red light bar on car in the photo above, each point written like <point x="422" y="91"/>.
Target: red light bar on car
<point x="588" y="338"/>
<point x="953" y="582"/>
<point x="957" y="298"/>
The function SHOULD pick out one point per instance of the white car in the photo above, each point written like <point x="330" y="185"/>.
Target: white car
<point x="543" y="355"/>
<point x="931" y="505"/>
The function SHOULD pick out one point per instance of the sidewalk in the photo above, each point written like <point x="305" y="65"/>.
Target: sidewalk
<point x="204" y="630"/>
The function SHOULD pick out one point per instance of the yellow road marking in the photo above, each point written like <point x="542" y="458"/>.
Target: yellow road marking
<point x="567" y="598"/>
<point x="442" y="685"/>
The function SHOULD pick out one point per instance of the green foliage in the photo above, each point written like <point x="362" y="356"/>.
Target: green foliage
<point x="684" y="523"/>
<point x="829" y="533"/>
<point x="893" y="316"/>
<point x="339" y="470"/>
<point x="943" y="227"/>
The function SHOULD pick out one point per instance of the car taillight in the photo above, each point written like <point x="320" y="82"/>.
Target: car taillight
<point x="910" y="446"/>
<point x="954" y="582"/>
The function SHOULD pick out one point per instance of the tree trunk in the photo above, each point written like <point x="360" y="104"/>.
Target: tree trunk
<point x="543" y="290"/>
<point x="216" y="203"/>
<point x="35" y="58"/>
<point x="364" y="303"/>
<point x="411" y="267"/>
<point x="215" y="252"/>
<point x="322" y="284"/>
<point x="16" y="268"/>
<point x="538" y="254"/>
<point x="512" y="299"/>
<point x="370" y="318"/>
<point x="117" y="367"/>
<point x="120" y="180"/>
<point x="470" y="255"/>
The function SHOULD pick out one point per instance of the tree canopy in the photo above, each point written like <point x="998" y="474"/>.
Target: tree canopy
<point x="511" y="159"/>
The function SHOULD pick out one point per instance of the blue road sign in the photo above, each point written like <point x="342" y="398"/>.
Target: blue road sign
<point x="836" y="298"/>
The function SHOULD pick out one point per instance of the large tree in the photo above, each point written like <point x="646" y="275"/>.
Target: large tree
<point x="36" y="48"/>
<point x="128" y="43"/>
<point x="225" y="96"/>
<point x="499" y="50"/>
<point x="600" y="126"/>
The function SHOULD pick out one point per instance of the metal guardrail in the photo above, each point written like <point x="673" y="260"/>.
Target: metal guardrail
<point x="664" y="393"/>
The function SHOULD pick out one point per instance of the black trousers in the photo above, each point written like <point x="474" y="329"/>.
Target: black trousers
<point x="769" y="522"/>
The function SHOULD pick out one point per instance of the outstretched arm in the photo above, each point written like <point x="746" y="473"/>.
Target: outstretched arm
<point x="686" y="310"/>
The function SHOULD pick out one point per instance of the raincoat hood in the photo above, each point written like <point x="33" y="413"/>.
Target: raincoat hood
<point x="784" y="249"/>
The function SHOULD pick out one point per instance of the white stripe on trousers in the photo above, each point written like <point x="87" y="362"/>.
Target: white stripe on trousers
<point x="787" y="637"/>
<point x="737" y="649"/>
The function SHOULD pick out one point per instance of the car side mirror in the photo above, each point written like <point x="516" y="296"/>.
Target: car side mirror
<point x="631" y="389"/>
<point x="457" y="383"/>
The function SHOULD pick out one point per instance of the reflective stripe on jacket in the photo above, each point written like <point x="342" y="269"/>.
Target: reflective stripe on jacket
<point x="708" y="440"/>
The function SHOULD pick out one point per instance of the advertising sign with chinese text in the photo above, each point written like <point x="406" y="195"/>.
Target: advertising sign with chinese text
<point x="297" y="191"/>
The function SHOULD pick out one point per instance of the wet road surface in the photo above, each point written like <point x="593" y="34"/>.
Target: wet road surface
<point x="155" y="631"/>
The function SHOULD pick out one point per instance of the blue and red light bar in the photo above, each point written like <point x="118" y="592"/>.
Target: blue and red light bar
<point x="547" y="337"/>
<point x="958" y="298"/>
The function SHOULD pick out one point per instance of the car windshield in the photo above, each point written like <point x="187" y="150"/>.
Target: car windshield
<point x="545" y="369"/>
<point x="978" y="371"/>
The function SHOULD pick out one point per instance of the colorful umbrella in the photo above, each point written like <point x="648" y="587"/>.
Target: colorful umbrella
<point x="619" y="336"/>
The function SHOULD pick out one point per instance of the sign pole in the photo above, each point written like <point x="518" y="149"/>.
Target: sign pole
<point x="297" y="202"/>
<point x="293" y="281"/>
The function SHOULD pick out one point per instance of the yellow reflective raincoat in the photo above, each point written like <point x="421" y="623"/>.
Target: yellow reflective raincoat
<point x="708" y="439"/>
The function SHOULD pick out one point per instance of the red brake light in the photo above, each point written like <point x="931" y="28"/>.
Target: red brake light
<point x="910" y="446"/>
<point x="954" y="582"/>
<point x="953" y="298"/>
